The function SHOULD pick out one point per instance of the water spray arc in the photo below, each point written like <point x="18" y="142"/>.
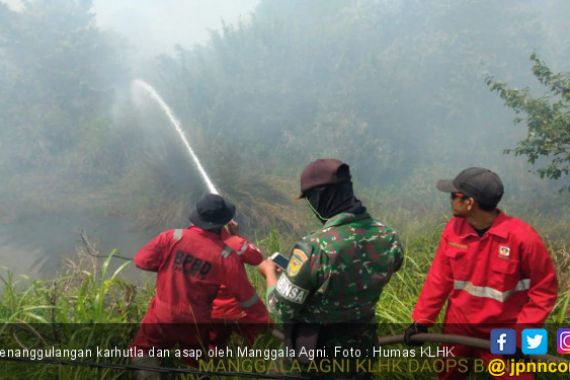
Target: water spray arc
<point x="176" y="124"/>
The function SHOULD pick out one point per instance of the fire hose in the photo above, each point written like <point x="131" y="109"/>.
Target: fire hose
<point x="395" y="339"/>
<point x="387" y="340"/>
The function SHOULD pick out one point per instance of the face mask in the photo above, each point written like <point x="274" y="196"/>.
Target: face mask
<point x="323" y="220"/>
<point x="328" y="201"/>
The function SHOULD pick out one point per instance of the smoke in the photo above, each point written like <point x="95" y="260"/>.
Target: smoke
<point x="176" y="124"/>
<point x="15" y="5"/>
<point x="156" y="27"/>
<point x="260" y="88"/>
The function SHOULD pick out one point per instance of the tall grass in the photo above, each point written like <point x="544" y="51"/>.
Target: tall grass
<point x="33" y="313"/>
<point x="78" y="309"/>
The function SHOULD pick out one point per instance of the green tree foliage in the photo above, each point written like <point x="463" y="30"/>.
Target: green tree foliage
<point x="391" y="86"/>
<point x="548" y="120"/>
<point x="58" y="76"/>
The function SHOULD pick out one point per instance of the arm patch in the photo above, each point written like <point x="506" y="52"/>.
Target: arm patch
<point x="299" y="256"/>
<point x="291" y="292"/>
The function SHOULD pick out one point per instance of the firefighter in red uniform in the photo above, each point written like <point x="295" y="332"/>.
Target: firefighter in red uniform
<point x="192" y="264"/>
<point x="494" y="270"/>
<point x="227" y="315"/>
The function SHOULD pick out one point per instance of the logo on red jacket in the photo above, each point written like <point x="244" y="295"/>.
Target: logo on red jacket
<point x="504" y="252"/>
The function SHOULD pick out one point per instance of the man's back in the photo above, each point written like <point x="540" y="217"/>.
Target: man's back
<point x="350" y="260"/>
<point x="191" y="265"/>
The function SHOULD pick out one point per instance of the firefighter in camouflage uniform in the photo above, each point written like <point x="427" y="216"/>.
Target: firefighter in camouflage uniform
<point x="328" y="292"/>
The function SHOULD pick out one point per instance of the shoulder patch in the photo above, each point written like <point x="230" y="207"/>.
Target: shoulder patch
<point x="299" y="256"/>
<point x="297" y="260"/>
<point x="290" y="291"/>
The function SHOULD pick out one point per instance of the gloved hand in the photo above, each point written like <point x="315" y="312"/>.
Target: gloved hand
<point x="233" y="227"/>
<point x="413" y="329"/>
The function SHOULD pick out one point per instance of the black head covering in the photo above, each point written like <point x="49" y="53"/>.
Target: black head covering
<point x="327" y="201"/>
<point x="212" y="212"/>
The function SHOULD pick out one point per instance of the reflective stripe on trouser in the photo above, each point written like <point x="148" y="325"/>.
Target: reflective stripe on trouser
<point x="249" y="302"/>
<point x="487" y="292"/>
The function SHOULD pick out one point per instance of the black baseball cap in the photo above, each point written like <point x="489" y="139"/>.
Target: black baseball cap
<point x="322" y="172"/>
<point x="212" y="211"/>
<point x="482" y="184"/>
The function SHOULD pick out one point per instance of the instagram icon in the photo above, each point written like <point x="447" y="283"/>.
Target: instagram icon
<point x="563" y="345"/>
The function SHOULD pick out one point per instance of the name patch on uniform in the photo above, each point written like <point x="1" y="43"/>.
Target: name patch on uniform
<point x="457" y="245"/>
<point x="504" y="252"/>
<point x="298" y="258"/>
<point x="290" y="291"/>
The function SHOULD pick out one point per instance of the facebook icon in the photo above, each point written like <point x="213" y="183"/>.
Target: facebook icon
<point x="503" y="341"/>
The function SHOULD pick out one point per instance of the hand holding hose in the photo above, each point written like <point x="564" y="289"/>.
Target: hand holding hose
<point x="413" y="329"/>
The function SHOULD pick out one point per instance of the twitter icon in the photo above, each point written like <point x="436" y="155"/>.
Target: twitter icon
<point x="534" y="341"/>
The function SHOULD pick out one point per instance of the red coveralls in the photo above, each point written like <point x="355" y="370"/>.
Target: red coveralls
<point x="505" y="278"/>
<point x="191" y="265"/>
<point x="227" y="313"/>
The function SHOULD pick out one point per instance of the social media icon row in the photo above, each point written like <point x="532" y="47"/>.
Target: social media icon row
<point x="533" y="342"/>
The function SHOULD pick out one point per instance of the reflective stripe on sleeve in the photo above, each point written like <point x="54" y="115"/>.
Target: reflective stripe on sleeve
<point x="487" y="292"/>
<point x="250" y="302"/>
<point x="226" y="252"/>
<point x="242" y="249"/>
<point x="177" y="234"/>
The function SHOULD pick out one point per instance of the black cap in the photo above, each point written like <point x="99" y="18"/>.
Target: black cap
<point x="482" y="184"/>
<point x="322" y="172"/>
<point x="212" y="211"/>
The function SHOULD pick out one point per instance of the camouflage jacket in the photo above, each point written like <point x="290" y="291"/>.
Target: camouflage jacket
<point x="337" y="273"/>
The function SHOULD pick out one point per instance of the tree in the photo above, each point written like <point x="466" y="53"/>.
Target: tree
<point x="58" y="75"/>
<point x="547" y="118"/>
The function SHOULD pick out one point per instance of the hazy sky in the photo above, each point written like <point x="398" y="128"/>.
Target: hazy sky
<point x="155" y="26"/>
<point x="14" y="4"/>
